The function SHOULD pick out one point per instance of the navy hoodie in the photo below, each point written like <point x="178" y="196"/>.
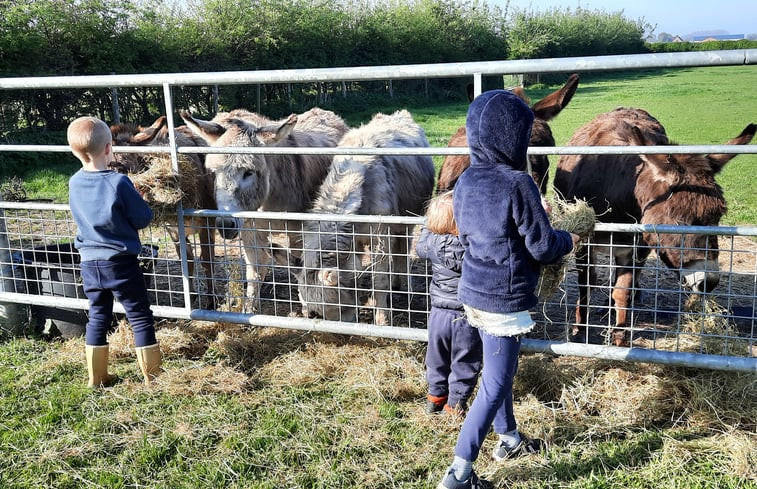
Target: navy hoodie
<point x="503" y="227"/>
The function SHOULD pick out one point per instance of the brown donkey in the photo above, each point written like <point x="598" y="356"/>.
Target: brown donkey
<point x="671" y="189"/>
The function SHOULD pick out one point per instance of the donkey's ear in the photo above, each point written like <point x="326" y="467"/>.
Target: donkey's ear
<point x="274" y="133"/>
<point x="208" y="130"/>
<point x="521" y="94"/>
<point x="159" y="123"/>
<point x="328" y="277"/>
<point x="148" y="134"/>
<point x="638" y="138"/>
<point x="145" y="137"/>
<point x="718" y="161"/>
<point x="551" y="105"/>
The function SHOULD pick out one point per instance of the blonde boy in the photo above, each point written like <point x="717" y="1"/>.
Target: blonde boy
<point x="109" y="212"/>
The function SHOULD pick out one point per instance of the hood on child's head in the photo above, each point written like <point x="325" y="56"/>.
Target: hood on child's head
<point x="499" y="128"/>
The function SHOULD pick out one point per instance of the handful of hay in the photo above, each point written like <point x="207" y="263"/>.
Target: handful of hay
<point x="575" y="217"/>
<point x="162" y="188"/>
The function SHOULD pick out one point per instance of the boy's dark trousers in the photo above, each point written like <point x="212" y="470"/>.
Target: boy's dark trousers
<point x="119" y="277"/>
<point x="453" y="356"/>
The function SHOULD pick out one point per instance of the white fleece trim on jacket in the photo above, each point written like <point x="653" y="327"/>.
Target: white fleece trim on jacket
<point x="500" y="324"/>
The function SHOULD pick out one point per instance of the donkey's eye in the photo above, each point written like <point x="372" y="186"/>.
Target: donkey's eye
<point x="247" y="174"/>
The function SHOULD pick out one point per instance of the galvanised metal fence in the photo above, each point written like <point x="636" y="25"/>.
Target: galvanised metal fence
<point x="667" y="323"/>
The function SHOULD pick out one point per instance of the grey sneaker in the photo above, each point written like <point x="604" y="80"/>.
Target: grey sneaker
<point x="526" y="446"/>
<point x="472" y="482"/>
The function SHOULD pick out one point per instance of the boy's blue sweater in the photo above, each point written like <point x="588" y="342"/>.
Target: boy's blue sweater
<point x="109" y="212"/>
<point x="504" y="228"/>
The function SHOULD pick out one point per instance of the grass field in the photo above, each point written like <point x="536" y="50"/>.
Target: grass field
<point x="264" y="408"/>
<point x="696" y="106"/>
<point x="268" y="408"/>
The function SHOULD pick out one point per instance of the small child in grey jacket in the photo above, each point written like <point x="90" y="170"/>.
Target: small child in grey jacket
<point x="453" y="356"/>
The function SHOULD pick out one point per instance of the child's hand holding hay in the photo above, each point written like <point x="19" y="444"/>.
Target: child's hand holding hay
<point x="578" y="219"/>
<point x="163" y="188"/>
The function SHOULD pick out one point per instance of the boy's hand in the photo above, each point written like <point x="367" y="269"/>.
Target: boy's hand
<point x="576" y="238"/>
<point x="140" y="191"/>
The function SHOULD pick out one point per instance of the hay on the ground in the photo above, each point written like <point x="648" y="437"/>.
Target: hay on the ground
<point x="163" y="188"/>
<point x="576" y="217"/>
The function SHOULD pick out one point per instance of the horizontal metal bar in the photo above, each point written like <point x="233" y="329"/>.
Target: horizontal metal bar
<point x="414" y="220"/>
<point x="609" y="227"/>
<point x="83" y="304"/>
<point x="671" y="229"/>
<point x="682" y="359"/>
<point x="304" y="216"/>
<point x="396" y="72"/>
<point x="319" y="325"/>
<point x="431" y="151"/>
<point x="40" y="206"/>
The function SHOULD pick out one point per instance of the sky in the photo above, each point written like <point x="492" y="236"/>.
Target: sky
<point x="676" y="17"/>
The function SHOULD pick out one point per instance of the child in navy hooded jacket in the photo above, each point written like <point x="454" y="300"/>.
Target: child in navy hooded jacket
<point x="453" y="355"/>
<point x="507" y="237"/>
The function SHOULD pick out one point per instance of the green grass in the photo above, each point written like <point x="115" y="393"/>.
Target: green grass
<point x="272" y="409"/>
<point x="696" y="105"/>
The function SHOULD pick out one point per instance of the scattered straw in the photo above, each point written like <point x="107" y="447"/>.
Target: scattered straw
<point x="708" y="329"/>
<point x="191" y="380"/>
<point x="576" y="217"/>
<point x="163" y="189"/>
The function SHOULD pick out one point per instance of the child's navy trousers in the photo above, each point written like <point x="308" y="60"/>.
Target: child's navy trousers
<point x="453" y="356"/>
<point x="494" y="400"/>
<point x="119" y="278"/>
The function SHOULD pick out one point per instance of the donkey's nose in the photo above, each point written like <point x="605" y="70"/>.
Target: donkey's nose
<point x="702" y="281"/>
<point x="227" y="227"/>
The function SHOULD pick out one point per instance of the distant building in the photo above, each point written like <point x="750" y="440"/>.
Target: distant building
<point x="719" y="37"/>
<point x="677" y="39"/>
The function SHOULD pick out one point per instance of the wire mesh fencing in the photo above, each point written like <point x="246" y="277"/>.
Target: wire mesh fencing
<point x="359" y="275"/>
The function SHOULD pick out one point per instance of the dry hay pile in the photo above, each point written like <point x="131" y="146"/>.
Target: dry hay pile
<point x="576" y="217"/>
<point x="705" y="328"/>
<point x="163" y="188"/>
<point x="590" y="394"/>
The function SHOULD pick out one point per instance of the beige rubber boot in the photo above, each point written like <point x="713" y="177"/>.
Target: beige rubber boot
<point x="97" y="366"/>
<point x="150" y="358"/>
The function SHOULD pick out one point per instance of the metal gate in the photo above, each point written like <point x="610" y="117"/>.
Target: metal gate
<point x="667" y="324"/>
